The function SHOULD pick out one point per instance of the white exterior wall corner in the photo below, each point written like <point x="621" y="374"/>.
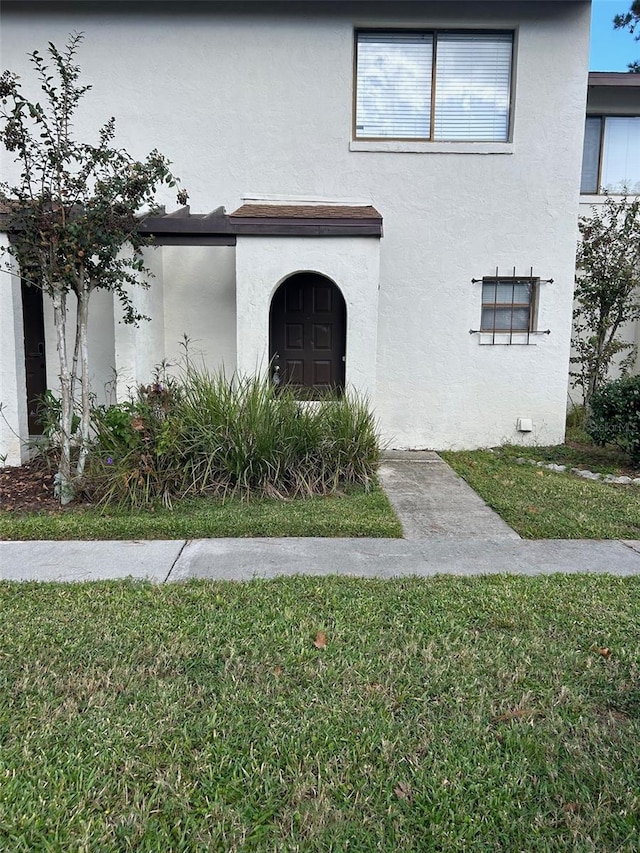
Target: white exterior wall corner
<point x="352" y="263"/>
<point x="14" y="429"/>
<point x="139" y="348"/>
<point x="283" y="127"/>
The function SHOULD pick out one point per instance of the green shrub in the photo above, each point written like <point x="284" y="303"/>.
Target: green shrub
<point x="615" y="415"/>
<point x="205" y="434"/>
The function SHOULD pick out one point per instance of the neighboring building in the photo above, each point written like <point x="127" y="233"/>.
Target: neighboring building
<point x="611" y="155"/>
<point x="404" y="181"/>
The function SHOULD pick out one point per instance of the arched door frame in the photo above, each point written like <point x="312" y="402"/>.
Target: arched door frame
<point x="307" y="332"/>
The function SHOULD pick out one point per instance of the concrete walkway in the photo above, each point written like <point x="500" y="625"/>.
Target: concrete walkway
<point x="431" y="500"/>
<point x="448" y="529"/>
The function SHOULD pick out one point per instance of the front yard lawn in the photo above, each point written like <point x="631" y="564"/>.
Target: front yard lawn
<point x="357" y="513"/>
<point x="321" y="714"/>
<point x="541" y="504"/>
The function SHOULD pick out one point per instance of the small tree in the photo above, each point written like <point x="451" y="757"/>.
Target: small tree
<point x="75" y="208"/>
<point x="606" y="295"/>
<point x="630" y="21"/>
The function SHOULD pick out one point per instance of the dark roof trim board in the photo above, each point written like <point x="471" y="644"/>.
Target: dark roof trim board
<point x="183" y="228"/>
<point x="613" y="78"/>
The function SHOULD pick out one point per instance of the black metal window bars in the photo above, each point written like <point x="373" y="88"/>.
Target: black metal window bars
<point x="509" y="305"/>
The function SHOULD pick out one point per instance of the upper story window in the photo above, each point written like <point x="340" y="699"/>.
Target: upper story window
<point x="611" y="154"/>
<point x="433" y="86"/>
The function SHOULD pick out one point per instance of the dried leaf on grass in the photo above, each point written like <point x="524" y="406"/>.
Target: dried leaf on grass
<point x="320" y="641"/>
<point x="403" y="791"/>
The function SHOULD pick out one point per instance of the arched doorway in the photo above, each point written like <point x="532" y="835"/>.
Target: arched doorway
<point x="307" y="333"/>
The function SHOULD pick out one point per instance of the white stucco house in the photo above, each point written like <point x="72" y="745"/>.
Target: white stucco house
<point x="395" y="190"/>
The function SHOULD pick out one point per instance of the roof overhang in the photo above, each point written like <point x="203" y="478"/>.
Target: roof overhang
<point x="618" y="79"/>
<point x="183" y="228"/>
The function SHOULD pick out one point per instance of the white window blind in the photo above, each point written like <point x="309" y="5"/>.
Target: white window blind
<point x="472" y="85"/>
<point x="394" y="85"/>
<point x="621" y="155"/>
<point x="507" y="304"/>
<point x="591" y="155"/>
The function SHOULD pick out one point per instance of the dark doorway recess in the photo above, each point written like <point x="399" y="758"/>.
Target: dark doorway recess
<point x="307" y="334"/>
<point x="34" y="358"/>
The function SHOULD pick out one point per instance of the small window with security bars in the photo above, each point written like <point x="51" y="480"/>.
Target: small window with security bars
<point x="508" y="309"/>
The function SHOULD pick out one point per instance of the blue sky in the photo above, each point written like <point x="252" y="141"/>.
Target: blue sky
<point x="611" y="50"/>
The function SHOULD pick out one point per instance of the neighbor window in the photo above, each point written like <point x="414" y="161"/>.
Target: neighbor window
<point x="508" y="305"/>
<point x="611" y="154"/>
<point x="433" y="86"/>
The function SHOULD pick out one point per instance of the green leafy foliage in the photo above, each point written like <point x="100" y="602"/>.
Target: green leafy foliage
<point x="50" y="416"/>
<point x="203" y="434"/>
<point x="630" y="21"/>
<point x="615" y="415"/>
<point x="74" y="222"/>
<point x="606" y="294"/>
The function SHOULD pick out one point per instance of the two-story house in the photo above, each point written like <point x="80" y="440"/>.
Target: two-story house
<point x="611" y="154"/>
<point x="401" y="181"/>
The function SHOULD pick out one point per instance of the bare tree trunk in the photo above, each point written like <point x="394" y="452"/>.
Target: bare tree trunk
<point x="64" y="479"/>
<point x="82" y="345"/>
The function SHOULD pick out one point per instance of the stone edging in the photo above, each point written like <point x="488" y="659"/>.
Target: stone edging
<point x="580" y="472"/>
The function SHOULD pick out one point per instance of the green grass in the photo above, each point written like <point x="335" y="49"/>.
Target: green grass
<point x="541" y="504"/>
<point x="579" y="454"/>
<point x="357" y="513"/>
<point x="447" y="714"/>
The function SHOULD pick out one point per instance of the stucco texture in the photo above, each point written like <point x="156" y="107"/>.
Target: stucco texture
<point x="258" y="100"/>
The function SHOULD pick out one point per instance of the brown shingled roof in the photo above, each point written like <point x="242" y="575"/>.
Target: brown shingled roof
<point x="306" y="211"/>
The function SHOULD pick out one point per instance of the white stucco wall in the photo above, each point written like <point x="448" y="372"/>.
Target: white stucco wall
<point x="200" y="302"/>
<point x="139" y="348"/>
<point x="14" y="428"/>
<point x="352" y="263"/>
<point x="259" y="100"/>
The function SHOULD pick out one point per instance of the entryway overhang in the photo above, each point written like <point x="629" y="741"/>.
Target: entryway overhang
<point x="277" y="241"/>
<point x="218" y="228"/>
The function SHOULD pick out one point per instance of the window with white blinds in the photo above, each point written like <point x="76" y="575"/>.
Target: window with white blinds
<point x="435" y="86"/>
<point x="611" y="155"/>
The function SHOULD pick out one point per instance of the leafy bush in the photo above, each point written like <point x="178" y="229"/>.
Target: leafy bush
<point x="615" y="415"/>
<point x="204" y="434"/>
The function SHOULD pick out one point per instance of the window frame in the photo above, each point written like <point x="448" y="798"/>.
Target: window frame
<point x="602" y="118"/>
<point x="532" y="305"/>
<point x="434" y="32"/>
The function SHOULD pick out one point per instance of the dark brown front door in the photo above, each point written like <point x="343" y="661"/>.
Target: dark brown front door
<point x="33" y="323"/>
<point x="308" y="332"/>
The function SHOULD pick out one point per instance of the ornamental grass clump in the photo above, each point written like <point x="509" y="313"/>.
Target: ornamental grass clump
<point x="203" y="434"/>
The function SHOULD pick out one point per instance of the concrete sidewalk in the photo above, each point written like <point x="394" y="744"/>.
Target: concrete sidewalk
<point x="242" y="559"/>
<point x="448" y="530"/>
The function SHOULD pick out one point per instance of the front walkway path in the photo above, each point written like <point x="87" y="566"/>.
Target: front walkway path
<point x="432" y="500"/>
